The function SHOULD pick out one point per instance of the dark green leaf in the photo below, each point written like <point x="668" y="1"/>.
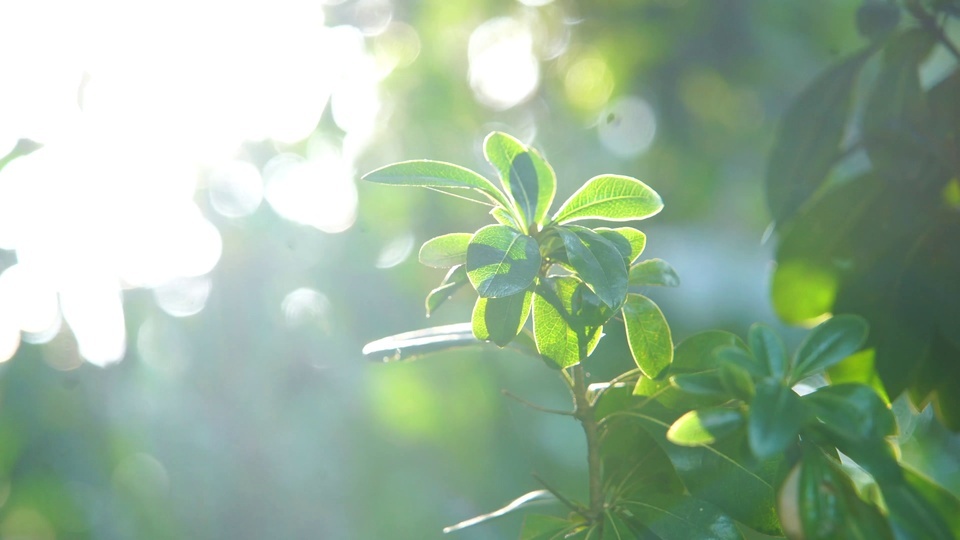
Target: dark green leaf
<point x="740" y="358"/>
<point x="636" y="239"/>
<point x="501" y="261"/>
<point x="648" y="335"/>
<point x="680" y="517"/>
<point x="610" y="197"/>
<point x="598" y="263"/>
<point x="853" y="411"/>
<point x="808" y="139"/>
<point x="828" y="344"/>
<point x="767" y="347"/>
<point x="705" y="383"/>
<point x="525" y="175"/>
<point x="534" y="497"/>
<point x="776" y="416"/>
<point x="445" y="251"/>
<point x="704" y="426"/>
<point x="737" y="381"/>
<point x="913" y="516"/>
<point x="500" y="319"/>
<point x="653" y="272"/>
<point x="435" y="174"/>
<point x="561" y="336"/>
<point x="455" y="278"/>
<point x="876" y="20"/>
<point x="537" y="527"/>
<point x="946" y="503"/>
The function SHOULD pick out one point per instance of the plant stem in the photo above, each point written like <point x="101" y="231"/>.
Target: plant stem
<point x="584" y="412"/>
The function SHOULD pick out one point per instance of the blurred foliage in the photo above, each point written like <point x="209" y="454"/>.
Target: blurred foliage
<point x="250" y="421"/>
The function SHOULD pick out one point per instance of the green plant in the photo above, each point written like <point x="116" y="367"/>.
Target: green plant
<point x="700" y="439"/>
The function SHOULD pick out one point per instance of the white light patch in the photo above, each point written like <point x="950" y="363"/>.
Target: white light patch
<point x="396" y="251"/>
<point x="627" y="126"/>
<point x="31" y="298"/>
<point x="503" y="69"/>
<point x="319" y="192"/>
<point x="183" y="297"/>
<point x="305" y="305"/>
<point x="235" y="189"/>
<point x="94" y="311"/>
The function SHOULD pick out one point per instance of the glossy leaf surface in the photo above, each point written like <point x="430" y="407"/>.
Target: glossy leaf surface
<point x="852" y="411"/>
<point x="501" y="261"/>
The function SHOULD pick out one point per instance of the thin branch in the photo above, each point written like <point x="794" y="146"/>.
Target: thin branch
<point x="578" y="508"/>
<point x="929" y="23"/>
<point x="586" y="415"/>
<point x="534" y="406"/>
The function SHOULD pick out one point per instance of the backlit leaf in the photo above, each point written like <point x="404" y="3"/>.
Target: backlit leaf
<point x="501" y="261"/>
<point x="500" y="319"/>
<point x="453" y="281"/>
<point x="828" y="344"/>
<point x="653" y="272"/>
<point x="560" y="334"/>
<point x="704" y="426"/>
<point x="435" y="174"/>
<point x="648" y="335"/>
<point x="445" y="251"/>
<point x="636" y="240"/>
<point x="525" y="175"/>
<point x="612" y="198"/>
<point x="598" y="263"/>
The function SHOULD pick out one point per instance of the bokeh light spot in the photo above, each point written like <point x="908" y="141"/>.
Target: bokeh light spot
<point x="305" y="306"/>
<point x="627" y="126"/>
<point x="319" y="192"/>
<point x="589" y="82"/>
<point x="184" y="296"/>
<point x="503" y="69"/>
<point x="235" y="189"/>
<point x="396" y="251"/>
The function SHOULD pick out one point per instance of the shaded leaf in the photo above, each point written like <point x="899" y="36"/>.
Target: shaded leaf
<point x="648" y="335"/>
<point x="452" y="282"/>
<point x="445" y="251"/>
<point x="776" y="416"/>
<point x="704" y="426"/>
<point x="500" y="319"/>
<point x="501" y="261"/>
<point x="653" y="272"/>
<point x="852" y="411"/>
<point x="525" y="500"/>
<point x="809" y="136"/>
<point x="537" y="527"/>
<point x="737" y="381"/>
<point x="828" y="344"/>
<point x="598" y="263"/>
<point x="436" y="174"/>
<point x="525" y="175"/>
<point x="742" y="359"/>
<point x="946" y="503"/>
<point x="767" y="347"/>
<point x="680" y="517"/>
<point x="705" y="383"/>
<point x="612" y="198"/>
<point x="636" y="240"/>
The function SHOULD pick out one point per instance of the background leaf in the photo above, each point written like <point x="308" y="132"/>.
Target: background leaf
<point x="648" y="335"/>
<point x="828" y="344"/>
<point x="501" y="261"/>
<point x="610" y="197"/>
<point x="767" y="347"/>
<point x="445" y="251"/>
<point x="452" y="282"/>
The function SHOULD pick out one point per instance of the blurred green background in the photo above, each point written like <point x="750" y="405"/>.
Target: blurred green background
<point x="232" y="400"/>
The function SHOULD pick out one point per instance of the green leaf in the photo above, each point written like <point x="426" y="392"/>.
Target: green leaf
<point x="704" y="426"/>
<point x="598" y="263"/>
<point x="722" y="473"/>
<point x="776" y="416"/>
<point x="615" y="528"/>
<point x="500" y="319"/>
<point x="736" y="356"/>
<point x="534" y="497"/>
<point x="445" y="251"/>
<point x="636" y="241"/>
<point x="525" y="175"/>
<point x="435" y="174"/>
<point x="504" y="217"/>
<point x="455" y="278"/>
<point x="767" y="347"/>
<point x="610" y="197"/>
<point x="561" y="335"/>
<point x="537" y="527"/>
<point x="705" y="383"/>
<point x="501" y="261"/>
<point x="858" y="368"/>
<point x="946" y="503"/>
<point x="737" y="381"/>
<point x="852" y="411"/>
<point x="653" y="272"/>
<point x="680" y="517"/>
<point x="648" y="335"/>
<point x="809" y="136"/>
<point x="828" y="344"/>
<point x="410" y="345"/>
<point x="912" y="516"/>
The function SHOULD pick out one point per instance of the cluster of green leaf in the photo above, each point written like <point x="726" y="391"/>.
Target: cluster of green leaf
<point x="573" y="279"/>
<point x="881" y="243"/>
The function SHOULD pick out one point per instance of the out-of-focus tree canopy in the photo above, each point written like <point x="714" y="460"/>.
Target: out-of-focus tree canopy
<point x="190" y="268"/>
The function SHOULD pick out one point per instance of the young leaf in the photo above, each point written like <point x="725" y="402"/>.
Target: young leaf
<point x="534" y="497"/>
<point x="435" y="174"/>
<point x="455" y="278"/>
<point x="809" y="136"/>
<point x="767" y="347"/>
<point x="598" y="263"/>
<point x="653" y="272"/>
<point x="680" y="517"/>
<point x="610" y="197"/>
<point x="525" y="175"/>
<point x="776" y="416"/>
<point x="636" y="240"/>
<point x="500" y="319"/>
<point x="501" y="261"/>
<point x="704" y="426"/>
<point x="445" y="251"/>
<point x="648" y="335"/>
<point x="828" y="344"/>
<point x="561" y="336"/>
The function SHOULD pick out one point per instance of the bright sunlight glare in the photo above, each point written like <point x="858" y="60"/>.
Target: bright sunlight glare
<point x="135" y="105"/>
